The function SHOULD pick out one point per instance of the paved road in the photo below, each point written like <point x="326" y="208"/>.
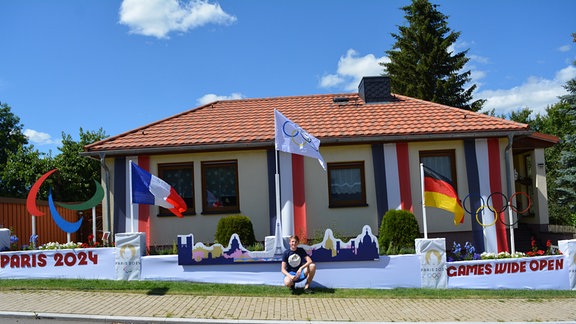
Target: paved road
<point x="76" y="306"/>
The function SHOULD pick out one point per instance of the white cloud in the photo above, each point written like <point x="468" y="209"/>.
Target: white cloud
<point x="208" y="98"/>
<point x="476" y="75"/>
<point x="536" y="93"/>
<point x="564" y="48"/>
<point x="158" y="18"/>
<point x="351" y="69"/>
<point x="478" y="59"/>
<point x="39" y="138"/>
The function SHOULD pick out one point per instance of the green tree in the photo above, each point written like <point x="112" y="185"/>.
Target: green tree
<point x="553" y="122"/>
<point x="75" y="172"/>
<point x="11" y="134"/>
<point x="21" y="170"/>
<point x="421" y="61"/>
<point x="566" y="179"/>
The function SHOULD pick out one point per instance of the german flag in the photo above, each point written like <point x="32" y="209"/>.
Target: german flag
<point x="440" y="193"/>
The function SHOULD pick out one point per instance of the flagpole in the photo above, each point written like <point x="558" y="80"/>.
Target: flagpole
<point x="423" y="201"/>
<point x="94" y="224"/>
<point x="130" y="197"/>
<point x="278" y="241"/>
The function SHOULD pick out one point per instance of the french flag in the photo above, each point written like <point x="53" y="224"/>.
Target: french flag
<point x="150" y="190"/>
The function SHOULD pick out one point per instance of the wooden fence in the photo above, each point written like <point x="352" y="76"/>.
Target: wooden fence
<point x="15" y="216"/>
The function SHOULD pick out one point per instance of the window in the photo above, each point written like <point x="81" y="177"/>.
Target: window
<point x="443" y="162"/>
<point x="346" y="186"/>
<point x="220" y="187"/>
<point x="181" y="178"/>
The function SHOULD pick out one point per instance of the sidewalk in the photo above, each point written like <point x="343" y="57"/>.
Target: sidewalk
<point x="132" y="307"/>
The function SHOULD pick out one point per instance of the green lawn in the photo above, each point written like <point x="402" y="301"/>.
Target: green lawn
<point x="204" y="289"/>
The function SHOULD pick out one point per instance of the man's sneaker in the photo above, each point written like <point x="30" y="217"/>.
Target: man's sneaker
<point x="308" y="291"/>
<point x="292" y="290"/>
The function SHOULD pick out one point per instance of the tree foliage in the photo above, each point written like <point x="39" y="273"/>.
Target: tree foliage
<point x="11" y="133"/>
<point x="21" y="164"/>
<point x="21" y="170"/>
<point x="76" y="172"/>
<point x="553" y="122"/>
<point x="422" y="64"/>
<point x="566" y="179"/>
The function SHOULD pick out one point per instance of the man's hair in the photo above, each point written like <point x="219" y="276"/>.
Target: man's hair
<point x="295" y="237"/>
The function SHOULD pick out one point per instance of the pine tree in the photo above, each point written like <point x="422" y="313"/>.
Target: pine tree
<point x="421" y="63"/>
<point x="566" y="180"/>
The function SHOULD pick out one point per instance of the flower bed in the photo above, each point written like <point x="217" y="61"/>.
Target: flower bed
<point x="468" y="252"/>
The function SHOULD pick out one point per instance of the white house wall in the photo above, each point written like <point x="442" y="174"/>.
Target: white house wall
<point x="253" y="194"/>
<point x="253" y="182"/>
<point x="343" y="221"/>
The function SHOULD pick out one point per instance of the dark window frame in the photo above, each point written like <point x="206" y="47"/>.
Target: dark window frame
<point x="335" y="203"/>
<point x="206" y="208"/>
<point x="451" y="154"/>
<point x="190" y="201"/>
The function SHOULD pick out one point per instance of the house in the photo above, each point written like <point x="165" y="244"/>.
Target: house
<point x="220" y="157"/>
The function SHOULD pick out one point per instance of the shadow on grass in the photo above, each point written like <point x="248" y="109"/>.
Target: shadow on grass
<point x="158" y="291"/>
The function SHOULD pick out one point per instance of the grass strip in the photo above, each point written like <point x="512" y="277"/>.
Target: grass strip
<point x="210" y="289"/>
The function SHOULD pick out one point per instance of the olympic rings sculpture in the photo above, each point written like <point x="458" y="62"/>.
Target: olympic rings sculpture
<point x="505" y="203"/>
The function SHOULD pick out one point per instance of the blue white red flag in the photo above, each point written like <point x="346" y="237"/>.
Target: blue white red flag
<point x="291" y="138"/>
<point x="150" y="190"/>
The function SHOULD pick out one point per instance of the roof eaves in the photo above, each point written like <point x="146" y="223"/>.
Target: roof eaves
<point x="177" y="149"/>
<point x="142" y="128"/>
<point x="422" y="137"/>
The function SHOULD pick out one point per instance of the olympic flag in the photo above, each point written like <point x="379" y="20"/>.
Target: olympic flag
<point x="291" y="138"/>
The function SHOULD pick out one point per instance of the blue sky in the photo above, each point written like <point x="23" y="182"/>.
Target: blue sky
<point x="118" y="65"/>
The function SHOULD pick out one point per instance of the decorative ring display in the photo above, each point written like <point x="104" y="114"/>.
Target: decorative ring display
<point x="493" y="210"/>
<point x="514" y="208"/>
<point x="469" y="196"/>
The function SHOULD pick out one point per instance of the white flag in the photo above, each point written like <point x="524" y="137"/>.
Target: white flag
<point x="291" y="138"/>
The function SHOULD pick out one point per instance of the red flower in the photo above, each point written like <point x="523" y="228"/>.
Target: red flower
<point x="548" y="243"/>
<point x="540" y="252"/>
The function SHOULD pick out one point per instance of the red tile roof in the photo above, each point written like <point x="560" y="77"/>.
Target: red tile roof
<point x="250" y="122"/>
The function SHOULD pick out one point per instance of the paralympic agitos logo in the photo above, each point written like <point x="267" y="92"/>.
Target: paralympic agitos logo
<point x="66" y="226"/>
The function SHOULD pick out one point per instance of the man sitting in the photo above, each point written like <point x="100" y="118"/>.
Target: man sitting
<point x="297" y="265"/>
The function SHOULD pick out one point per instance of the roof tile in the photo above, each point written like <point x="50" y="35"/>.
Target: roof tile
<point x="252" y="121"/>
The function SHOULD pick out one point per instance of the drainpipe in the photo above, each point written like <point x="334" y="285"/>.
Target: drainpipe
<point x="107" y="182"/>
<point x="509" y="184"/>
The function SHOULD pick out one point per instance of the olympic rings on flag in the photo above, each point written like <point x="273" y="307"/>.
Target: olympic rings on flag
<point x="295" y="132"/>
<point x="481" y="208"/>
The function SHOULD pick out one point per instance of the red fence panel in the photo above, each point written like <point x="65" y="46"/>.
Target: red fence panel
<point x="15" y="216"/>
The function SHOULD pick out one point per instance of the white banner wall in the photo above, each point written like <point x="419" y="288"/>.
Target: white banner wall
<point x="97" y="263"/>
<point x="396" y="271"/>
<point x="546" y="272"/>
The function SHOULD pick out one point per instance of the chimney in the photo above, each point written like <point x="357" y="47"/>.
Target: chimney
<point x="375" y="89"/>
